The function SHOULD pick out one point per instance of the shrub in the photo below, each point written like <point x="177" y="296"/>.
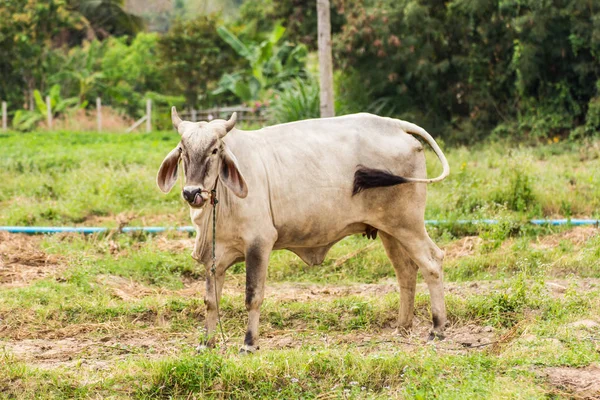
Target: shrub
<point x="298" y="99"/>
<point x="519" y="194"/>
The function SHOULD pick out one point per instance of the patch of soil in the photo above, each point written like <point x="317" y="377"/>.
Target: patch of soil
<point x="458" y="339"/>
<point x="577" y="236"/>
<point x="96" y="354"/>
<point x="128" y="290"/>
<point x="581" y="382"/>
<point x="463" y="247"/>
<point x="99" y="352"/>
<point x="303" y="292"/>
<point x="184" y="244"/>
<point x="22" y="261"/>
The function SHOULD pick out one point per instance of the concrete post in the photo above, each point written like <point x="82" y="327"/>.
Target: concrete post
<point x="99" y="114"/>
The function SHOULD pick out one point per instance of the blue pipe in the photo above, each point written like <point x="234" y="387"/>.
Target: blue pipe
<point x="553" y="222"/>
<point x="89" y="230"/>
<point x="156" y="229"/>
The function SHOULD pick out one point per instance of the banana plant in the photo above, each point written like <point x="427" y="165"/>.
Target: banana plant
<point x="26" y="120"/>
<point x="271" y="64"/>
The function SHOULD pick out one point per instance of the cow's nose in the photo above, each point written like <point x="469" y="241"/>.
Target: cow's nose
<point x="190" y="192"/>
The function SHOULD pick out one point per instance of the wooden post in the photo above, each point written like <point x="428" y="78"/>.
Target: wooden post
<point x="49" y="112"/>
<point x="99" y="113"/>
<point x="194" y="115"/>
<point x="148" y="115"/>
<point x="325" y="62"/>
<point x="4" y="116"/>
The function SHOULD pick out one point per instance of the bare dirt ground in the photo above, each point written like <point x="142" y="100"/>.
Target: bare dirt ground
<point x="90" y="352"/>
<point x="22" y="261"/>
<point x="579" y="383"/>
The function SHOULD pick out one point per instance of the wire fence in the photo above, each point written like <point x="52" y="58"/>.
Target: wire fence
<point x="247" y="114"/>
<point x="250" y="115"/>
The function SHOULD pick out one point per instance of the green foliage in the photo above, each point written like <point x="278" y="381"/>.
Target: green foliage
<point x="298" y="17"/>
<point x="107" y="17"/>
<point x="296" y="100"/>
<point x="25" y="120"/>
<point x="592" y="118"/>
<point x="465" y="67"/>
<point x="518" y="195"/>
<point x="31" y="31"/>
<point x="79" y="70"/>
<point x="131" y="70"/>
<point x="270" y="64"/>
<point x="26" y="31"/>
<point x="195" y="57"/>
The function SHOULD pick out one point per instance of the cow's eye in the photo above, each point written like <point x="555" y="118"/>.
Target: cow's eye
<point x="215" y="151"/>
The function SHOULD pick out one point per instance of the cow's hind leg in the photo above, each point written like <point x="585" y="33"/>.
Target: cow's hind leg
<point x="406" y="273"/>
<point x="257" y="260"/>
<point x="428" y="257"/>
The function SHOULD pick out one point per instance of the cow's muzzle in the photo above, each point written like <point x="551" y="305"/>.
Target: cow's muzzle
<point x="195" y="196"/>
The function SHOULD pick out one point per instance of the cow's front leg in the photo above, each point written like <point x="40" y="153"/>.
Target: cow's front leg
<point x="257" y="260"/>
<point x="211" y="299"/>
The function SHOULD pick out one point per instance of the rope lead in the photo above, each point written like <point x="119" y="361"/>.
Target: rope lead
<point x="214" y="201"/>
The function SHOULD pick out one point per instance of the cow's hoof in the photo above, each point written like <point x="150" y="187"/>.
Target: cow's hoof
<point x="404" y="332"/>
<point x="433" y="335"/>
<point x="245" y="349"/>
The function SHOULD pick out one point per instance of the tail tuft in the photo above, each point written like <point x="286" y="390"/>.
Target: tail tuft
<point x="367" y="178"/>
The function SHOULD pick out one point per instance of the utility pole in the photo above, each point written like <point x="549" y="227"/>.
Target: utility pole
<point x="325" y="60"/>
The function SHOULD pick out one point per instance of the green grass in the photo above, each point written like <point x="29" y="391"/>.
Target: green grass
<point x="55" y="178"/>
<point x="120" y="317"/>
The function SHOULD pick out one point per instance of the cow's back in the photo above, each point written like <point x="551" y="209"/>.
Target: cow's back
<point x="309" y="169"/>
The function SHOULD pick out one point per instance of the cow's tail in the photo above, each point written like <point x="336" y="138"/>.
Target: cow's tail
<point x="367" y="178"/>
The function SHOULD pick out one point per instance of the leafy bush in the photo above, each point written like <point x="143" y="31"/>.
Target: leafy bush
<point x="470" y="66"/>
<point x="270" y="65"/>
<point x="296" y="100"/>
<point x="25" y="120"/>
<point x="195" y="57"/>
<point x="519" y="194"/>
<point x="592" y="119"/>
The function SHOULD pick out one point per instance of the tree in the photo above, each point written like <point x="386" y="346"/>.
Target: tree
<point x="27" y="30"/>
<point x="325" y="62"/>
<point x="195" y="57"/>
<point x="107" y="17"/>
<point x="467" y="67"/>
<point x="299" y="17"/>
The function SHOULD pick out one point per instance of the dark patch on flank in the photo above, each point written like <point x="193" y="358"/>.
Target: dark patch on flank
<point x="368" y="178"/>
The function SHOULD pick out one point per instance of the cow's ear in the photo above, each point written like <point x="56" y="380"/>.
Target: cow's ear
<point x="230" y="174"/>
<point x="167" y="173"/>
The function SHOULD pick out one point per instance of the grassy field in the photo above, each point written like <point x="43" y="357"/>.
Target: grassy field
<point x="117" y="315"/>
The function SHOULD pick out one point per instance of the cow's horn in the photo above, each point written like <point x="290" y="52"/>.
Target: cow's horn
<point x="175" y="118"/>
<point x="231" y="122"/>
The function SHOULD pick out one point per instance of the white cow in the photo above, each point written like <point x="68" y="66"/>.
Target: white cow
<point x="303" y="186"/>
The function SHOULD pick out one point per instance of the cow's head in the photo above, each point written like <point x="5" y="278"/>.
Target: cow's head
<point x="205" y="158"/>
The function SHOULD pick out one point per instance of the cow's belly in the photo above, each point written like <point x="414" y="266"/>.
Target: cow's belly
<point x="315" y="234"/>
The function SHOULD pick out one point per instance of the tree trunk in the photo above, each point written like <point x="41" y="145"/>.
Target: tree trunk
<point x="325" y="63"/>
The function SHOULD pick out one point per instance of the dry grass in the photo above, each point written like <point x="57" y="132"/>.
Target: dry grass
<point x="22" y="261"/>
